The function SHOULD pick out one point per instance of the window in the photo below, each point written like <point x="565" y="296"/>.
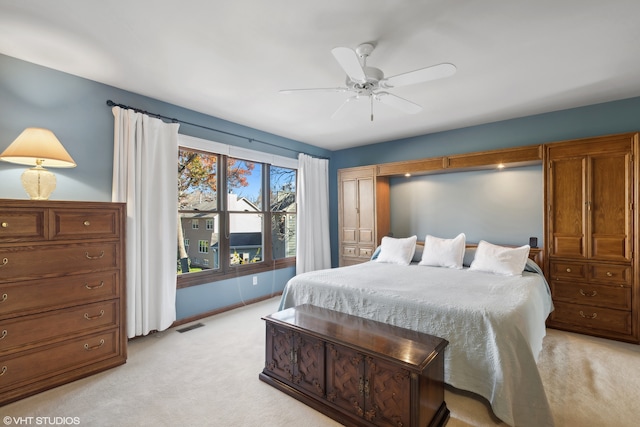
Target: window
<point x="282" y="206"/>
<point x="234" y="240"/>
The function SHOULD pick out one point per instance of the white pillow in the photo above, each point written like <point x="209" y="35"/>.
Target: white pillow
<point x="397" y="251"/>
<point x="443" y="252"/>
<point x="500" y="259"/>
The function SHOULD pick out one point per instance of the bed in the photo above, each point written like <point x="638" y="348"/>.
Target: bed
<point x="494" y="322"/>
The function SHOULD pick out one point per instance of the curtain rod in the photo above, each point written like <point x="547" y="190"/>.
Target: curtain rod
<point x="110" y="103"/>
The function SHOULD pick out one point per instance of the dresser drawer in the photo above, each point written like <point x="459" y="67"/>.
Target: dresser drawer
<point x="19" y="225"/>
<point x="586" y="316"/>
<point x="24" y="298"/>
<point x="40" y="328"/>
<point x="610" y="273"/>
<point x="84" y="224"/>
<point x="30" y="262"/>
<point x="47" y="361"/>
<point x="567" y="270"/>
<point x="365" y="252"/>
<point x="349" y="251"/>
<point x="617" y="297"/>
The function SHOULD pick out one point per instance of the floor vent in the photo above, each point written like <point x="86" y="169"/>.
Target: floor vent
<point x="188" y="328"/>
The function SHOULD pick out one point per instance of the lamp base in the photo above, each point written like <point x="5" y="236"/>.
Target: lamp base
<point x="38" y="182"/>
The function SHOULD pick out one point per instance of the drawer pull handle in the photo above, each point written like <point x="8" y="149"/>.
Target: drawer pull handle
<point x="609" y="274"/>
<point x="4" y="297"/>
<point x="86" y="223"/>
<point x="592" y="294"/>
<point x="86" y="285"/>
<point x="593" y="316"/>
<point x="86" y="346"/>
<point x="97" y="316"/>
<point x="5" y="261"/>
<point x="4" y="334"/>
<point x="4" y="370"/>
<point x="94" y="257"/>
<point x="5" y="225"/>
<point x="568" y="270"/>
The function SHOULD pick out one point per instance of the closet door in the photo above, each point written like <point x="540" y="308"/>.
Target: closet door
<point x="568" y="198"/>
<point x="366" y="212"/>
<point x="609" y="207"/>
<point x="349" y="212"/>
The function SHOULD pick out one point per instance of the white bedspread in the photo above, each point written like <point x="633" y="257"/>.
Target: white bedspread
<point x="494" y="324"/>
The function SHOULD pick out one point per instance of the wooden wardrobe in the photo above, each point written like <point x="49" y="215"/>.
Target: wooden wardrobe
<point x="591" y="231"/>
<point x="363" y="213"/>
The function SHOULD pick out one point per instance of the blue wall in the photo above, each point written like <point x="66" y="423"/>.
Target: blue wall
<point x="75" y="109"/>
<point x="600" y="119"/>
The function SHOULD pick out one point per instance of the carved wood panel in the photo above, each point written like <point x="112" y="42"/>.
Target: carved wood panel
<point x="345" y="382"/>
<point x="278" y="352"/>
<point x="388" y="398"/>
<point x="309" y="372"/>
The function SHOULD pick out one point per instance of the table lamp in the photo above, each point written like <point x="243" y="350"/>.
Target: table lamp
<point x="38" y="147"/>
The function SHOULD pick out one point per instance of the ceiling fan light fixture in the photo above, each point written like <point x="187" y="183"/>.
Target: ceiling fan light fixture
<point x="363" y="80"/>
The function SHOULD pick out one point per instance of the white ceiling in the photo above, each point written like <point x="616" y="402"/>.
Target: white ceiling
<point x="229" y="58"/>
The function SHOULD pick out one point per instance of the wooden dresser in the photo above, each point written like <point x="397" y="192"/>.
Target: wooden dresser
<point x="354" y="370"/>
<point x="591" y="233"/>
<point x="62" y="299"/>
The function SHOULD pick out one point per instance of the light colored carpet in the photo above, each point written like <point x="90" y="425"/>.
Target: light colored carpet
<point x="209" y="377"/>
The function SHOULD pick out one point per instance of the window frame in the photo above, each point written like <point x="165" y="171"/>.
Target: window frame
<point x="267" y="263"/>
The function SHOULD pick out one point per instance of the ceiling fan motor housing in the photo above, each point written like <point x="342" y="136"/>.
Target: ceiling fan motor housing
<point x="373" y="75"/>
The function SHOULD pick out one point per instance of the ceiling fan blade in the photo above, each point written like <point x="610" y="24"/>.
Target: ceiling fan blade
<point x="318" y="89"/>
<point x="346" y="107"/>
<point x="348" y="60"/>
<point x="418" y="76"/>
<point x="397" y="102"/>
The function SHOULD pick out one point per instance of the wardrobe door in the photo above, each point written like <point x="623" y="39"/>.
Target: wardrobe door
<point x="609" y="207"/>
<point x="567" y="207"/>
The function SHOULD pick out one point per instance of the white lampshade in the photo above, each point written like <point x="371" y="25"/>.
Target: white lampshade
<point x="38" y="147"/>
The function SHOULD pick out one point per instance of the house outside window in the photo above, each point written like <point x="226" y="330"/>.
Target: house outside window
<point x="238" y="200"/>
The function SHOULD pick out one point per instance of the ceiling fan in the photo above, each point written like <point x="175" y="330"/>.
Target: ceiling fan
<point x="369" y="83"/>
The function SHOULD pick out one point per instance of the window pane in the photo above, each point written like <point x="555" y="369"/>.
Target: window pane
<point x="206" y="253"/>
<point x="283" y="235"/>
<point x="197" y="203"/>
<point x="244" y="181"/>
<point x="197" y="181"/>
<point x="282" y="203"/>
<point x="245" y="238"/>
<point x="283" y="189"/>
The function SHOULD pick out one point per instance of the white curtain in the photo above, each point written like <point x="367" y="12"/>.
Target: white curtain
<point x="144" y="176"/>
<point x="313" y="246"/>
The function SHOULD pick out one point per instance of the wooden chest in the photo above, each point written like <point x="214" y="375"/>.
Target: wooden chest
<point x="62" y="301"/>
<point x="354" y="370"/>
